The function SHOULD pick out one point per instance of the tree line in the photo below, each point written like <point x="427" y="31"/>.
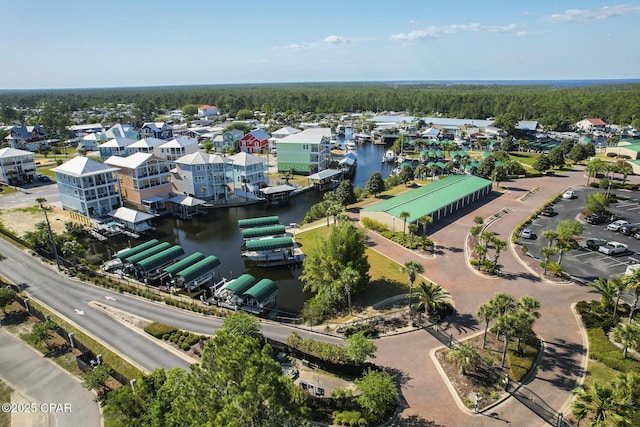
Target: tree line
<point x="554" y="107"/>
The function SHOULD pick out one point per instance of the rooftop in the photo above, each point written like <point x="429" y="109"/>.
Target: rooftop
<point x="83" y="166"/>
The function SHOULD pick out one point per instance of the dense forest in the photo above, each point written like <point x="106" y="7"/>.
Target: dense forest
<point x="555" y="107"/>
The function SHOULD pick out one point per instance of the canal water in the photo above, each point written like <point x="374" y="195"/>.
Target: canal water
<point x="217" y="233"/>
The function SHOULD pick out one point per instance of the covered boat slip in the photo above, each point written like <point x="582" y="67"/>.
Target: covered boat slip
<point x="198" y="274"/>
<point x="185" y="263"/>
<point x="258" y="222"/>
<point x="126" y="253"/>
<point x="258" y="232"/>
<point x="160" y="259"/>
<point x="245" y="293"/>
<point x="265" y="245"/>
<point x="134" y="259"/>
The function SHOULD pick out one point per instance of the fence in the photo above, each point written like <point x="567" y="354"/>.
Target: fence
<point x="518" y="390"/>
<point x="86" y="356"/>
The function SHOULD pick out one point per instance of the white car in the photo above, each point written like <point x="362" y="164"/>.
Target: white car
<point x="527" y="233"/>
<point x="617" y="225"/>
<point x="569" y="195"/>
<point x="613" y="248"/>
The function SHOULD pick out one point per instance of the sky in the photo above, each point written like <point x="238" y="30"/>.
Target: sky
<point x="121" y="43"/>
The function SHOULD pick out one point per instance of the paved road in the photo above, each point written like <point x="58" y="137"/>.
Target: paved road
<point x="41" y="383"/>
<point x="426" y="393"/>
<point x="27" y="195"/>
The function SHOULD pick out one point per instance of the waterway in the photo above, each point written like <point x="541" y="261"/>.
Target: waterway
<point x="217" y="233"/>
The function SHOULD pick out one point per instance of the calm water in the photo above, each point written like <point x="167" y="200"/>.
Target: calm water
<point x="217" y="233"/>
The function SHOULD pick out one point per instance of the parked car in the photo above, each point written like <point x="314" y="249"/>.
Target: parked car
<point x="629" y="229"/>
<point x="637" y="236"/>
<point x="527" y="233"/>
<point x="569" y="195"/>
<point x="617" y="225"/>
<point x="613" y="248"/>
<point x="548" y="211"/>
<point x="595" y="219"/>
<point x="594" y="243"/>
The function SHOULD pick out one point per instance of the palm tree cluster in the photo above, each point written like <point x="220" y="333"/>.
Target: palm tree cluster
<point x="486" y="240"/>
<point x="431" y="298"/>
<point x="511" y="318"/>
<point x="613" y="404"/>
<point x="561" y="240"/>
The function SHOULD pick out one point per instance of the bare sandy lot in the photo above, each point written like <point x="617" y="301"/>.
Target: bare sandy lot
<point x="21" y="220"/>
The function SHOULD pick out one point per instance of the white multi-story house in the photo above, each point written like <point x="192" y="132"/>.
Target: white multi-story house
<point x="17" y="166"/>
<point x="591" y="125"/>
<point x="176" y="148"/>
<point x="145" y="145"/>
<point x="115" y="147"/>
<point x="203" y="175"/>
<point x="248" y="172"/>
<point x="279" y="134"/>
<point x="306" y="152"/>
<point x="207" y="111"/>
<point x="88" y="187"/>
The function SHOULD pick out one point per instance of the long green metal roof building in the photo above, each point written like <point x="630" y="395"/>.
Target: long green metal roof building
<point x="241" y="284"/>
<point x="258" y="222"/>
<point x="437" y="199"/>
<point x="262" y="290"/>
<point x="272" y="230"/>
<point x="136" y="249"/>
<point x="148" y="253"/>
<point x="161" y="258"/>
<point x="199" y="269"/>
<point x="269" y="244"/>
<point x="184" y="263"/>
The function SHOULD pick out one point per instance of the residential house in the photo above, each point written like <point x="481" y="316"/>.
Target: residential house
<point x="249" y="172"/>
<point x="227" y="141"/>
<point x="207" y="111"/>
<point x="279" y="134"/>
<point x="306" y="152"/>
<point x="160" y="130"/>
<point x="86" y="129"/>
<point x="122" y="131"/>
<point x="145" y="145"/>
<point x="16" y="166"/>
<point x="203" y="175"/>
<point x="591" y="125"/>
<point x="88" y="187"/>
<point x="527" y="126"/>
<point x="30" y="138"/>
<point x="115" y="147"/>
<point x="430" y="133"/>
<point x="255" y="141"/>
<point x="145" y="179"/>
<point x="176" y="148"/>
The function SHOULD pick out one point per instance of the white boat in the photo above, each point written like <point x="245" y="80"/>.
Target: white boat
<point x="350" y="147"/>
<point x="340" y="130"/>
<point x="389" y="157"/>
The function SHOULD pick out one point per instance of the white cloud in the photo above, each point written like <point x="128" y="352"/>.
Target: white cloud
<point x="435" y="32"/>
<point x="328" y="42"/>
<point x="337" y="40"/>
<point x="582" y="15"/>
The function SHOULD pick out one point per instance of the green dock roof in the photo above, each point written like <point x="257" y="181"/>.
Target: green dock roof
<point x="184" y="263"/>
<point x="243" y="283"/>
<point x="430" y="198"/>
<point x="268" y="244"/>
<point x="258" y="222"/>
<point x="147" y="253"/>
<point x="262" y="290"/>
<point x="272" y="230"/>
<point x="136" y="249"/>
<point x="199" y="269"/>
<point x="161" y="258"/>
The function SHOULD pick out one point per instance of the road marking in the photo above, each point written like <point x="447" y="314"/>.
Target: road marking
<point x="109" y="298"/>
<point x="586" y="254"/>
<point x="634" y="209"/>
<point x="80" y="312"/>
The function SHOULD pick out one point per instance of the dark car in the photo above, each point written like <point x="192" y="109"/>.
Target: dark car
<point x="548" y="211"/>
<point x="594" y="243"/>
<point x="596" y="219"/>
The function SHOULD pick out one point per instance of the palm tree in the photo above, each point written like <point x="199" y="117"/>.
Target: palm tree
<point x="465" y="357"/>
<point x="431" y="298"/>
<point x="347" y="280"/>
<point x="554" y="268"/>
<point x="475" y="231"/>
<point x="507" y="325"/>
<point x="628" y="385"/>
<point x="607" y="290"/>
<point x="627" y="334"/>
<point x="503" y="303"/>
<point x="486" y="312"/>
<point x="499" y="245"/>
<point x="404" y="215"/>
<point x="600" y="402"/>
<point x="412" y="231"/>
<point x="481" y="251"/>
<point x="425" y="221"/>
<point x="522" y="325"/>
<point x="550" y="235"/>
<point x="412" y="269"/>
<point x="633" y="282"/>
<point x="621" y="287"/>
<point x="547" y="252"/>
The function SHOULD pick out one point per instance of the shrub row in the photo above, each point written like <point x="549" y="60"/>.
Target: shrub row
<point x="332" y="353"/>
<point x="213" y="311"/>
<point x="409" y="241"/>
<point x="349" y="418"/>
<point x="526" y="222"/>
<point x="158" y="329"/>
<point x="374" y="225"/>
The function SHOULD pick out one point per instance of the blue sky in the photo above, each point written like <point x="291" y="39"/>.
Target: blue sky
<point x="97" y="43"/>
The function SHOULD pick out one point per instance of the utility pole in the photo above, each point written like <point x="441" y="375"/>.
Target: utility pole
<point x="53" y="239"/>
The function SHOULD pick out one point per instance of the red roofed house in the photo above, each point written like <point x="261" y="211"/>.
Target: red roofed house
<point x="591" y="125"/>
<point x="254" y="142"/>
<point x="207" y="110"/>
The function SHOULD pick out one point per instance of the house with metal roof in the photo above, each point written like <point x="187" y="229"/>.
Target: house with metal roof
<point x="145" y="145"/>
<point x="122" y="131"/>
<point x="145" y="180"/>
<point x="160" y="130"/>
<point x="176" y="148"/>
<point x="306" y="152"/>
<point x="203" y="175"/>
<point x="226" y="141"/>
<point x="437" y="199"/>
<point x="248" y="173"/>
<point x="29" y="138"/>
<point x="17" y="166"/>
<point x="115" y="147"/>
<point x="591" y="125"/>
<point x="255" y="141"/>
<point x="133" y="220"/>
<point x="207" y="111"/>
<point x="87" y="187"/>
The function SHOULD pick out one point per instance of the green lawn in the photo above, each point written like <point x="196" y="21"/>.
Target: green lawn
<point x="598" y="372"/>
<point x="527" y="159"/>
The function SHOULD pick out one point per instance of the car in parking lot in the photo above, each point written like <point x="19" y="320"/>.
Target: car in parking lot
<point x="613" y="248"/>
<point x="595" y="219"/>
<point x="617" y="225"/>
<point x="548" y="211"/>
<point x="569" y="194"/>
<point x="527" y="233"/>
<point x="594" y="243"/>
<point x="630" y="229"/>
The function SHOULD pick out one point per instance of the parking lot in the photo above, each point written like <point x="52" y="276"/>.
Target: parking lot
<point x="584" y="263"/>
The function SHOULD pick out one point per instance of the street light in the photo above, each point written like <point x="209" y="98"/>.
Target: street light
<point x="53" y="240"/>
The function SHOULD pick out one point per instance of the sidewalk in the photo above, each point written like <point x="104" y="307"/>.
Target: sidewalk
<point x="54" y="397"/>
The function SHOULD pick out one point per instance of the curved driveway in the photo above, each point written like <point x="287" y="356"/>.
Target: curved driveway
<point x="425" y="392"/>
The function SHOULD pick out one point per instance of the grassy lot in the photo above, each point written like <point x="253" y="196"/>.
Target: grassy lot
<point x="5" y="397"/>
<point x="527" y="159"/>
<point x="387" y="279"/>
<point x="598" y="372"/>
<point x="5" y="189"/>
<point x="300" y="180"/>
